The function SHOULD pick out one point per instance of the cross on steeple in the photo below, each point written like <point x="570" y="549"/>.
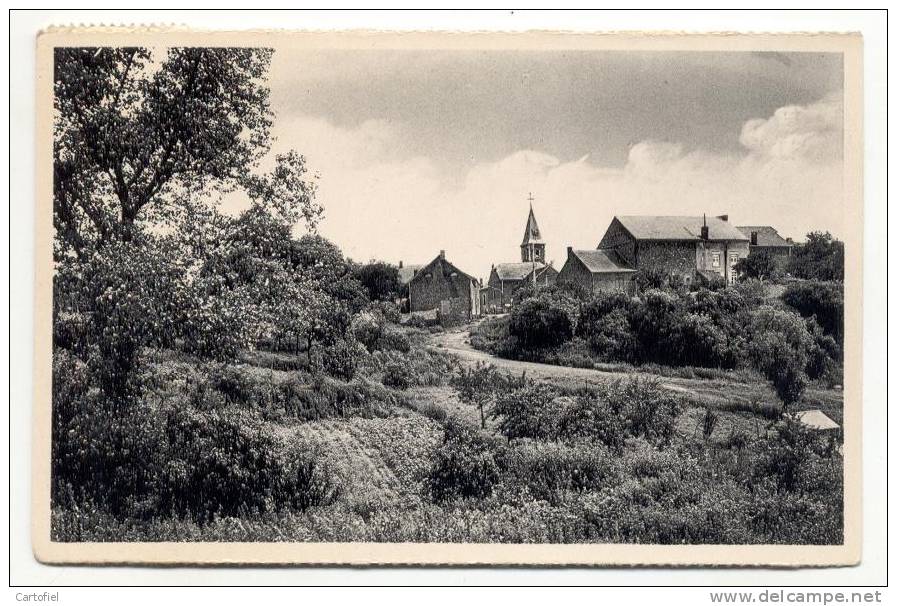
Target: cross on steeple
<point x="531" y="199"/>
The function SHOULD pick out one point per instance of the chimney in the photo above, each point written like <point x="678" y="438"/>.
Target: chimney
<point x="705" y="231"/>
<point x="569" y="250"/>
<point x="754" y="238"/>
<point x="400" y="265"/>
<point x="442" y="254"/>
<point x="723" y="217"/>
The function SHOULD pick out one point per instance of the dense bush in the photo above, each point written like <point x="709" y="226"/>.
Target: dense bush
<point x="536" y="324"/>
<point x="465" y="465"/>
<point x="397" y="375"/>
<point x="822" y="300"/>
<point x="547" y="469"/>
<point x="532" y="411"/>
<point x="393" y="339"/>
<point x="230" y="463"/>
<point x="779" y="349"/>
<point x="366" y="328"/>
<point x="645" y="407"/>
<point x="341" y="359"/>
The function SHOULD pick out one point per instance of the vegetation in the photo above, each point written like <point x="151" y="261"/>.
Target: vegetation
<point x="736" y="327"/>
<point x="217" y="379"/>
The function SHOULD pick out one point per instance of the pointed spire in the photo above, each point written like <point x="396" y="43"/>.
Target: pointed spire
<point x="531" y="234"/>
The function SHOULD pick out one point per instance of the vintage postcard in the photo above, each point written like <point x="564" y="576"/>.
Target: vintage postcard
<point x="439" y="298"/>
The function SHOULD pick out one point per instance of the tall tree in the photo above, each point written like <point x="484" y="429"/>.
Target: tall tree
<point x="139" y="136"/>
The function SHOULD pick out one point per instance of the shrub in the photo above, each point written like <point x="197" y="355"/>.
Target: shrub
<point x="547" y="469"/>
<point x="327" y="398"/>
<point x="589" y="416"/>
<point x="779" y="349"/>
<point x="341" y="359"/>
<point x="393" y="339"/>
<point x="822" y="300"/>
<point x="104" y="451"/>
<point x="611" y="337"/>
<point x="646" y="408"/>
<point x="228" y="463"/>
<point x="387" y="309"/>
<point x="397" y="375"/>
<point x="696" y="341"/>
<point x="537" y="324"/>
<point x="532" y="411"/>
<point x="464" y="466"/>
<point x="367" y="327"/>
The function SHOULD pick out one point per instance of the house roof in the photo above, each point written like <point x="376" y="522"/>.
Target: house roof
<point x="815" y="419"/>
<point x="517" y="271"/>
<point x="653" y="227"/>
<point x="531" y="234"/>
<point x="766" y="235"/>
<point x="601" y="261"/>
<point x="406" y="272"/>
<point x="451" y="267"/>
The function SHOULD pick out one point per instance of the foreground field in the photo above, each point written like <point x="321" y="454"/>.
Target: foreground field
<point x="411" y="464"/>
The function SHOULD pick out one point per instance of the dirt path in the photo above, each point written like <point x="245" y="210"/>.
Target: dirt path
<point x="723" y="393"/>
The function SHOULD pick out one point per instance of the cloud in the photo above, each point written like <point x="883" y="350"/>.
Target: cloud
<point x="382" y="202"/>
<point x="812" y="132"/>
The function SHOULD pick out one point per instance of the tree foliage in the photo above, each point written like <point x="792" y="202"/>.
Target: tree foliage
<point x="821" y="257"/>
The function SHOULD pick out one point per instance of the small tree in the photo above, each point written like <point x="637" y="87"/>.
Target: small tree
<point x="759" y="264"/>
<point x="478" y="386"/>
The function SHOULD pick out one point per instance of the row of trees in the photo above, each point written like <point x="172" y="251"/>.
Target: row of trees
<point x="790" y="343"/>
<point x="820" y="258"/>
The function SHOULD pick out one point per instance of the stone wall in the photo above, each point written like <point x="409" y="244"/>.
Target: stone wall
<point x="617" y="238"/>
<point x="674" y="258"/>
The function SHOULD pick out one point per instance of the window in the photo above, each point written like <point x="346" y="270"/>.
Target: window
<point x="715" y="260"/>
<point x="733" y="259"/>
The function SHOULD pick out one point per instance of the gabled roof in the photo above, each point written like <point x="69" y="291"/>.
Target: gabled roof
<point x="429" y="267"/>
<point x="766" y="235"/>
<point x="652" y="227"/>
<point x="601" y="261"/>
<point x="516" y="271"/>
<point x="406" y="272"/>
<point x="815" y="419"/>
<point x="531" y="234"/>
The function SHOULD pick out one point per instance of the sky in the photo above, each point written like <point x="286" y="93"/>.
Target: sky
<point x="415" y="151"/>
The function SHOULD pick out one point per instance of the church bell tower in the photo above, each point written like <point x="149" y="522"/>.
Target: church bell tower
<point x="532" y="249"/>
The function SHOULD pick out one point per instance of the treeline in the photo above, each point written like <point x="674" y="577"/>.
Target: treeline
<point x="790" y="340"/>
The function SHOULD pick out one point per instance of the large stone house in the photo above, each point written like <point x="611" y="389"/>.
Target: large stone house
<point x="506" y="278"/>
<point x="765" y="238"/>
<point x="688" y="247"/>
<point x="597" y="270"/>
<point x="441" y="287"/>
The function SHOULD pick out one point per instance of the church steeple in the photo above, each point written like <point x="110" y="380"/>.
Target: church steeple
<point x="532" y="249"/>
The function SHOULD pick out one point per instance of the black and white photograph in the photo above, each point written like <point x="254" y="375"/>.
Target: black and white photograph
<point x="478" y="292"/>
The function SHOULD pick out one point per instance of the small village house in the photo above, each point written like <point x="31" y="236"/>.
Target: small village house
<point x="597" y="270"/>
<point x="441" y="287"/>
